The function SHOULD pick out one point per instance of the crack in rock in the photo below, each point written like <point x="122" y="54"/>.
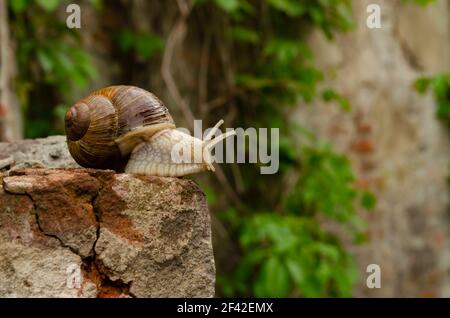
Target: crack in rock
<point x="147" y="236"/>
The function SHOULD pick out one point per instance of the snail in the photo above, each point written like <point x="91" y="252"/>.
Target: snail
<point x="129" y="129"/>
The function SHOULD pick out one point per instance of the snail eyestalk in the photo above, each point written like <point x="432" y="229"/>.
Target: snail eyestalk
<point x="213" y="130"/>
<point x="208" y="143"/>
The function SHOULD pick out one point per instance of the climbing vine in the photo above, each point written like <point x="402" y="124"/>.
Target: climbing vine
<point x="439" y="85"/>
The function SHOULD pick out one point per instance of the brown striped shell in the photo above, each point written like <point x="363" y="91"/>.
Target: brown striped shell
<point x="103" y="128"/>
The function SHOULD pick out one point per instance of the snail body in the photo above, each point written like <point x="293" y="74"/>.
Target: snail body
<point x="127" y="128"/>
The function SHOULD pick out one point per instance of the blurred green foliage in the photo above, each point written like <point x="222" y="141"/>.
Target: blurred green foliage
<point x="51" y="61"/>
<point x="420" y="2"/>
<point x="289" y="253"/>
<point x="144" y="45"/>
<point x="294" y="257"/>
<point x="440" y="87"/>
<point x="285" y="249"/>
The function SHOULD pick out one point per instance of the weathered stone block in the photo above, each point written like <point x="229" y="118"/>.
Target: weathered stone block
<point x="126" y="235"/>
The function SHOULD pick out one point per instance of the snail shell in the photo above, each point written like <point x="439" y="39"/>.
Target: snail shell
<point x="104" y="128"/>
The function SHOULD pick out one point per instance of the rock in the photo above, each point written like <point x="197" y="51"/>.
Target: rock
<point x="94" y="233"/>
<point x="50" y="152"/>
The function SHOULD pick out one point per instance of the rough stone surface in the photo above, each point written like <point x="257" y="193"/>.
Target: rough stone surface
<point x="50" y="152"/>
<point x="398" y="148"/>
<point x="128" y="236"/>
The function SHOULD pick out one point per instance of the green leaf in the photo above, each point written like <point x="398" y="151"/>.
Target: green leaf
<point x="97" y="4"/>
<point x="79" y="79"/>
<point x="126" y="40"/>
<point x="249" y="262"/>
<point x="60" y="111"/>
<point x="286" y="50"/>
<point x="18" y="5"/>
<point x="148" y="45"/>
<point x="421" y="85"/>
<point x="368" y="200"/>
<point x="317" y="16"/>
<point x="45" y="60"/>
<point x="290" y="7"/>
<point x="253" y="82"/>
<point x="36" y="128"/>
<point x="211" y="196"/>
<point x="327" y="250"/>
<point x="443" y="110"/>
<point x="360" y="238"/>
<point x="145" y="45"/>
<point x="48" y="5"/>
<point x="227" y="5"/>
<point x="273" y="280"/>
<point x="64" y="61"/>
<point x="245" y="35"/>
<point x="420" y="2"/>
<point x="330" y="95"/>
<point x="296" y="271"/>
<point x="199" y="2"/>
<point x="441" y="85"/>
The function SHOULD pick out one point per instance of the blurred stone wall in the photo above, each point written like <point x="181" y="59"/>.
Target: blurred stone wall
<point x="398" y="147"/>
